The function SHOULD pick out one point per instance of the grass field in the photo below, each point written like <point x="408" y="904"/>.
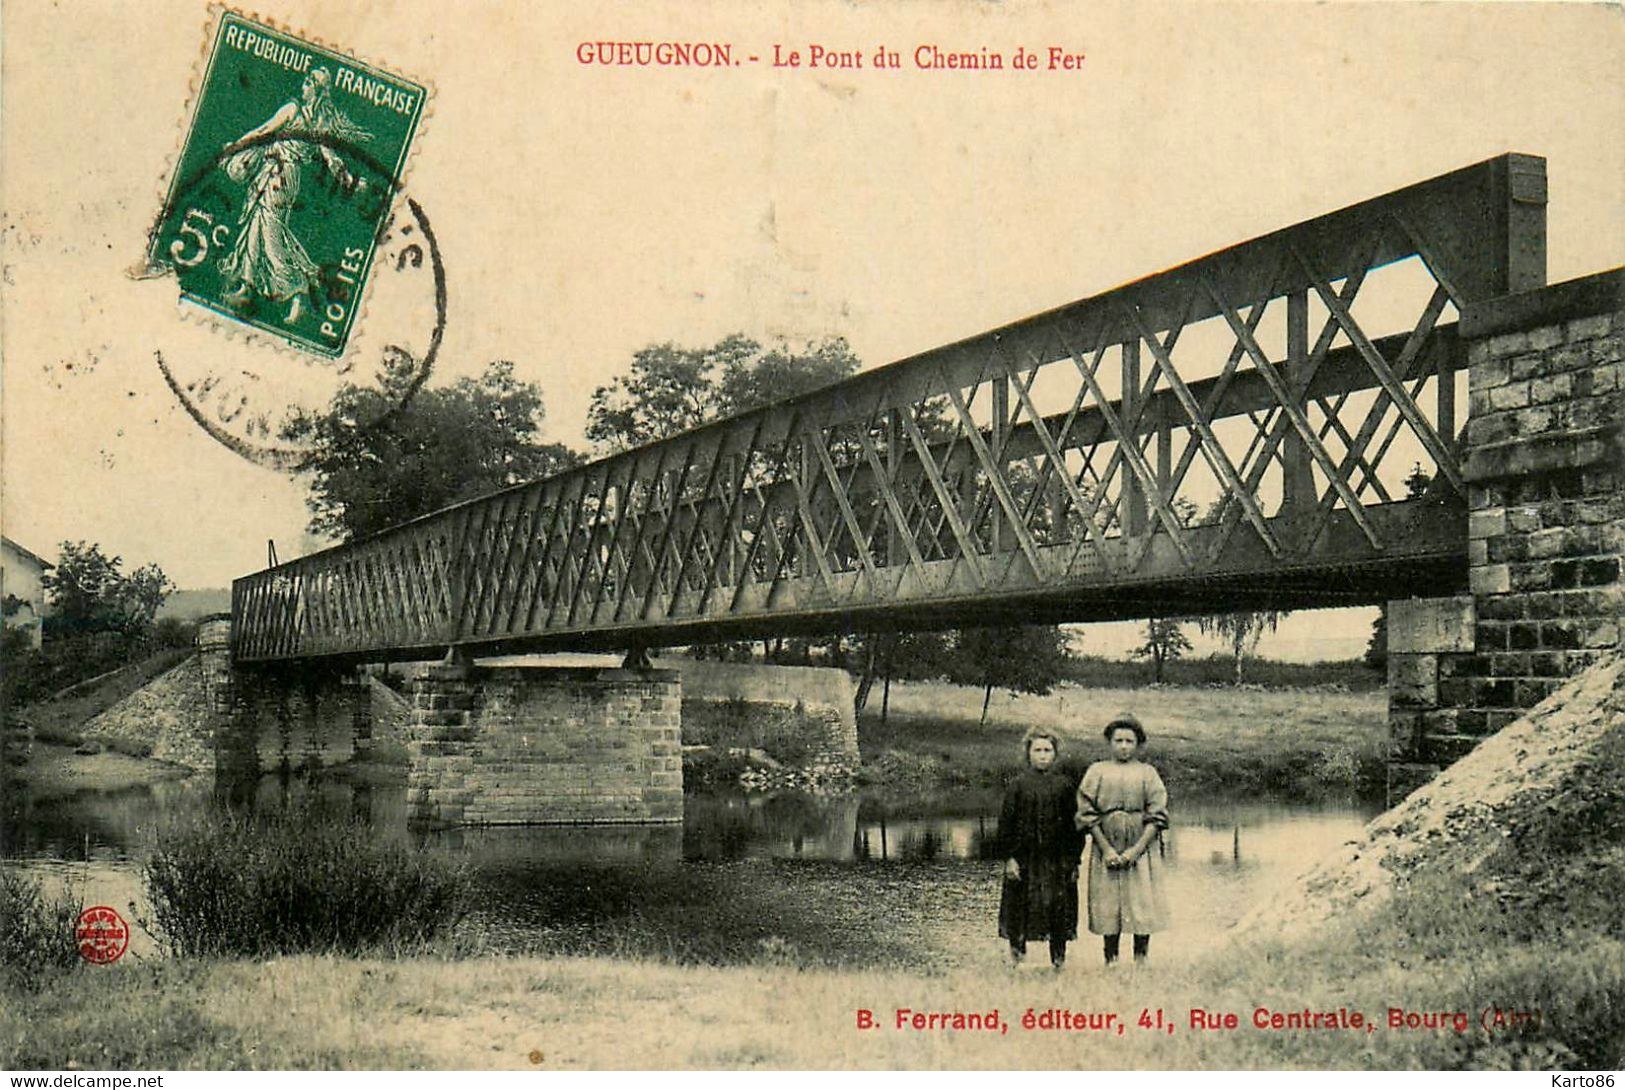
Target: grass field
<point x="1097" y="671"/>
<point x="1202" y="739"/>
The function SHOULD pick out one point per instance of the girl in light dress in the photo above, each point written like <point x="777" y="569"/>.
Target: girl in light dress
<point x="1122" y="806"/>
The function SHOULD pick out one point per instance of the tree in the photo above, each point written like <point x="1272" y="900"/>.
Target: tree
<point x="670" y="389"/>
<point x="141" y="596"/>
<point x="751" y="381"/>
<point x="1376" y="649"/>
<point x="1021" y="658"/>
<point x="81" y="586"/>
<point x="89" y="593"/>
<point x="723" y="651"/>
<point x="381" y="458"/>
<point x="1241" y="630"/>
<point x="1165" y="641"/>
<point x="912" y="656"/>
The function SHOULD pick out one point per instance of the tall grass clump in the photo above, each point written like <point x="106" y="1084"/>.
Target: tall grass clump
<point x="787" y="734"/>
<point x="299" y="880"/>
<point x="36" y="932"/>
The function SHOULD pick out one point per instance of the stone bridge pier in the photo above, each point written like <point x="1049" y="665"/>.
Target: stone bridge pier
<point x="1545" y="527"/>
<point x="284" y="718"/>
<point x="485" y="745"/>
<point x="521" y="745"/>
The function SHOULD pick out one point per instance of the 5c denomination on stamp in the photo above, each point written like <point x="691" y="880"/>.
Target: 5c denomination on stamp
<point x="279" y="198"/>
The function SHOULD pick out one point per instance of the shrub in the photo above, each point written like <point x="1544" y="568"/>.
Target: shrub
<point x="68" y="659"/>
<point x="36" y="932"/>
<point x="785" y="733"/>
<point x="716" y="723"/>
<point x="172" y="632"/>
<point x="298" y="880"/>
<point x="18" y="668"/>
<point x="788" y="734"/>
<point x="712" y="769"/>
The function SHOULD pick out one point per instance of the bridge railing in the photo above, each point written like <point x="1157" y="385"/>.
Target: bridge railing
<point x="1261" y="409"/>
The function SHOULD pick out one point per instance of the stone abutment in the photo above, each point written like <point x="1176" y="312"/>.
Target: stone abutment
<point x="1545" y="528"/>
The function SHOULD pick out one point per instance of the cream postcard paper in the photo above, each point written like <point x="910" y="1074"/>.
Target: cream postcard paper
<point x="561" y="186"/>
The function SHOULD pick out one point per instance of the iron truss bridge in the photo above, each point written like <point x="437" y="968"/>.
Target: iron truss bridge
<point x="1272" y="425"/>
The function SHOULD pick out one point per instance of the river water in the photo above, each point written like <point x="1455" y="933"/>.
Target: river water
<point x="1222" y="855"/>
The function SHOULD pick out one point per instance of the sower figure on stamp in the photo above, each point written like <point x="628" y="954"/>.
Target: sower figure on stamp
<point x="1123" y="806"/>
<point x="1041" y="849"/>
<point x="268" y="257"/>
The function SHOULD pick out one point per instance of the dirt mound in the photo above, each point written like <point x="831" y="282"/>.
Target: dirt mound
<point x="1461" y="818"/>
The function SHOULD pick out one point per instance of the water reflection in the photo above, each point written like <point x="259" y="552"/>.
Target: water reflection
<point x="964" y="826"/>
<point x="869" y="828"/>
<point x="1222" y="855"/>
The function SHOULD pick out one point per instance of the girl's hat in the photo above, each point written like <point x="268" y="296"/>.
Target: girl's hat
<point x="1125" y="719"/>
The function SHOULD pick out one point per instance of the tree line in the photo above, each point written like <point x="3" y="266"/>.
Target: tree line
<point x="101" y="617"/>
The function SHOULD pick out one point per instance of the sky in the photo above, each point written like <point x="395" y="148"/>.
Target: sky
<point x="585" y="211"/>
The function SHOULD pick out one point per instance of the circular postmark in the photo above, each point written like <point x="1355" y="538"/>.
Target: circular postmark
<point x="250" y="400"/>
<point x="102" y="935"/>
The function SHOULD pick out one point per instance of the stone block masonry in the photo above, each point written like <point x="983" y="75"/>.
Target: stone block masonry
<point x="281" y="720"/>
<point x="1545" y="525"/>
<point x="523" y="745"/>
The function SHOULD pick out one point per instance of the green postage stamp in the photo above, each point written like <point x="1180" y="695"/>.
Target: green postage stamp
<point x="291" y="163"/>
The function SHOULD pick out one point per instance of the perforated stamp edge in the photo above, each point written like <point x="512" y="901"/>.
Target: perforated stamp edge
<point x="234" y="331"/>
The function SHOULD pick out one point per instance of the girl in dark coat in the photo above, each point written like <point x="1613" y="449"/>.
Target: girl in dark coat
<point x="1041" y="848"/>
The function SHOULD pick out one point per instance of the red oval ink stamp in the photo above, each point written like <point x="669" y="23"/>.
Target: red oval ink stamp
<point x="102" y="934"/>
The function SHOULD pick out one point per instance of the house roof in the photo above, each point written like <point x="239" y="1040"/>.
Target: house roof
<point x="36" y="558"/>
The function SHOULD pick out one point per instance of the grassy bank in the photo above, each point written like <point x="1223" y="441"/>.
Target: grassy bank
<point x="1202" y="739"/>
<point x="312" y="1012"/>
<point x="584" y="982"/>
<point x="59" y="720"/>
<point x="58" y="770"/>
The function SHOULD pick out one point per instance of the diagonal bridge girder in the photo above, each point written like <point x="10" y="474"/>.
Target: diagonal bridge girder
<point x="1006" y="476"/>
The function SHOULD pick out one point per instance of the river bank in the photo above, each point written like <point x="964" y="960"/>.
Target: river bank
<point x="1203" y="739"/>
<point x="54" y="770"/>
<point x="1505" y="968"/>
<point x="47" y="752"/>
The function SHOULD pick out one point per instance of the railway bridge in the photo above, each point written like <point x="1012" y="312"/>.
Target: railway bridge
<point x="1384" y="404"/>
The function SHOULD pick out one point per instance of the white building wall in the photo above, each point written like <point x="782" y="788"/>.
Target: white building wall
<point x="21" y="577"/>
